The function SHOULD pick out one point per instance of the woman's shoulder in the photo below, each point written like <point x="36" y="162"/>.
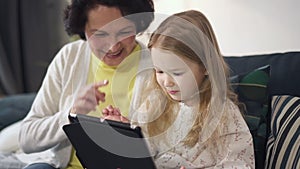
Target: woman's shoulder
<point x="145" y="51"/>
<point x="75" y="45"/>
<point x="71" y="50"/>
<point x="70" y="54"/>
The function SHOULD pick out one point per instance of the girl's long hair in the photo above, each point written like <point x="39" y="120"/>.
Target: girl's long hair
<point x="161" y="39"/>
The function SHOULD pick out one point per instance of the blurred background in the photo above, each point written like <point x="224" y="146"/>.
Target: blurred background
<point x="32" y="32"/>
<point x="246" y="27"/>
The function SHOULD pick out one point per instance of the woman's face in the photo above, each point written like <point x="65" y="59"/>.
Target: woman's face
<point x="111" y="36"/>
<point x="179" y="77"/>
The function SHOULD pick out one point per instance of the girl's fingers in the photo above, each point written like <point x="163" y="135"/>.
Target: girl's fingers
<point x="124" y="119"/>
<point x="117" y="112"/>
<point x="112" y="113"/>
<point x="105" y="112"/>
<point x="110" y="108"/>
<point x="110" y="117"/>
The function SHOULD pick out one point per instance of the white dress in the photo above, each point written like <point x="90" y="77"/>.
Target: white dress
<point x="237" y="150"/>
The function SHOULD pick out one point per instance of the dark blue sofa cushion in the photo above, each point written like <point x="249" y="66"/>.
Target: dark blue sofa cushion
<point x="14" y="108"/>
<point x="285" y="69"/>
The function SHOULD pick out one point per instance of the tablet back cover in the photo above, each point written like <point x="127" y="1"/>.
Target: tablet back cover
<point x="108" y="145"/>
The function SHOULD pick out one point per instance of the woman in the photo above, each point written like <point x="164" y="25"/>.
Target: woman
<point x="86" y="74"/>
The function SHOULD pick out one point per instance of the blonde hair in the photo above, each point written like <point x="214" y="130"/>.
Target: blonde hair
<point x="160" y="40"/>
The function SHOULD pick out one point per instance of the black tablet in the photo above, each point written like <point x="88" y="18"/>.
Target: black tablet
<point x="108" y="144"/>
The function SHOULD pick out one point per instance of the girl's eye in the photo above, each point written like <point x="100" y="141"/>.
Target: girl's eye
<point x="158" y="71"/>
<point x="177" y="74"/>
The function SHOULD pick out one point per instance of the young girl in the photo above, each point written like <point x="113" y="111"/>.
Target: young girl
<point x="187" y="112"/>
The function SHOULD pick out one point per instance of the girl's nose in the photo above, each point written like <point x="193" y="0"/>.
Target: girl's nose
<point x="169" y="81"/>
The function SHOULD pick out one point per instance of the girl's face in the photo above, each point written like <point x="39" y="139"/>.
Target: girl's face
<point x="111" y="36"/>
<point x="179" y="77"/>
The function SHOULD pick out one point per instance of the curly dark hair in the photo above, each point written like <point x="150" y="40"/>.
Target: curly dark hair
<point x="75" y="17"/>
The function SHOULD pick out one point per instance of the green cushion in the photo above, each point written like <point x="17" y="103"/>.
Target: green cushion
<point x="251" y="88"/>
<point x="283" y="147"/>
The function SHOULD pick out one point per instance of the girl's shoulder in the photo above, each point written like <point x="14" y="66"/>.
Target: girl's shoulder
<point x="234" y="115"/>
<point x="230" y="106"/>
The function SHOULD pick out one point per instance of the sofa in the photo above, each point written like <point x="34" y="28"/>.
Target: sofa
<point x="269" y="87"/>
<point x="263" y="83"/>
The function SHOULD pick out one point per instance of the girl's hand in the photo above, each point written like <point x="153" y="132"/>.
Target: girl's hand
<point x="89" y="98"/>
<point x="112" y="113"/>
<point x="182" y="167"/>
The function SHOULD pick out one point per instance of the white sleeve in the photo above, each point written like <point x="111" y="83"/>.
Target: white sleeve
<point x="42" y="127"/>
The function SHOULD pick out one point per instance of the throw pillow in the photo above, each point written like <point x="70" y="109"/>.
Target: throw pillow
<point x="9" y="138"/>
<point x="283" y="146"/>
<point x="251" y="88"/>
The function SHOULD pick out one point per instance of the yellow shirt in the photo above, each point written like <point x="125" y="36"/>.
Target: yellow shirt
<point x="119" y="90"/>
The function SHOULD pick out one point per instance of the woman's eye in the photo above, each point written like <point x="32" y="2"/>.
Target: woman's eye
<point x="100" y="35"/>
<point x="124" y="33"/>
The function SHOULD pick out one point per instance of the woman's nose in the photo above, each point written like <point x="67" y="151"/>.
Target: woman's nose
<point x="114" y="47"/>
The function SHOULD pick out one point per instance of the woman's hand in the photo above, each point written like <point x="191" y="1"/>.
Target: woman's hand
<point x="112" y="113"/>
<point x="182" y="167"/>
<point x="89" y="98"/>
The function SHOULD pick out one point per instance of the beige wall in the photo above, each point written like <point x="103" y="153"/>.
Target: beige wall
<point x="247" y="26"/>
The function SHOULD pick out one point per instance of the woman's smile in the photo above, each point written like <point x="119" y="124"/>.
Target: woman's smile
<point x="114" y="54"/>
